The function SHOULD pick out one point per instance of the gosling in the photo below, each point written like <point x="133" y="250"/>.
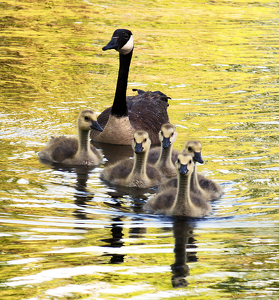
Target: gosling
<point x="201" y="185"/>
<point x="208" y="188"/>
<point x="72" y="151"/>
<point x="134" y="172"/>
<point x="164" y="157"/>
<point x="180" y="201"/>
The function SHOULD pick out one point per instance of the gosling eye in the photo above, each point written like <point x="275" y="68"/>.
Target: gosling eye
<point x="172" y="134"/>
<point x="134" y="140"/>
<point x="86" y="118"/>
<point x="144" y="140"/>
<point x="190" y="149"/>
<point x="178" y="161"/>
<point x="190" y="162"/>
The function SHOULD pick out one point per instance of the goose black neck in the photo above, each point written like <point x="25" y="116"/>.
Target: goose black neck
<point x="119" y="107"/>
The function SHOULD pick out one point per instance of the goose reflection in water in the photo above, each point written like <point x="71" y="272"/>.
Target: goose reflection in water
<point x="114" y="153"/>
<point x="183" y="238"/>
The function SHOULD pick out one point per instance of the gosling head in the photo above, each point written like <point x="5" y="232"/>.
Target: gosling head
<point x="87" y="120"/>
<point x="194" y="149"/>
<point x="141" y="142"/>
<point x="184" y="164"/>
<point x="122" y="41"/>
<point x="167" y="135"/>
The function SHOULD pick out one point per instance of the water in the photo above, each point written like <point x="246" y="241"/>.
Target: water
<point x="64" y="233"/>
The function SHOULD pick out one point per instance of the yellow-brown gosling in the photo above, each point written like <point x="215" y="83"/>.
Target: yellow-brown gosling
<point x="162" y="157"/>
<point x="207" y="188"/>
<point x="180" y="201"/>
<point x="72" y="151"/>
<point x="134" y="172"/>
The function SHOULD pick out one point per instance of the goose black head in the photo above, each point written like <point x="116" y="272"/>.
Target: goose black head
<point x="122" y="41"/>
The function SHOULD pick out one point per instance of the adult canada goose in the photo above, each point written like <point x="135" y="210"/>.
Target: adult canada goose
<point x="180" y="201"/>
<point x="146" y="111"/>
<point x="73" y="151"/>
<point x="134" y="172"/>
<point x="162" y="157"/>
<point x="207" y="188"/>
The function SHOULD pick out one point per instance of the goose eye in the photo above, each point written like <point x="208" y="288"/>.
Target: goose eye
<point x="190" y="149"/>
<point x="126" y="35"/>
<point x="86" y="118"/>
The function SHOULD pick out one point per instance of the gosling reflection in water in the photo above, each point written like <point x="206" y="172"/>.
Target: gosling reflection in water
<point x="183" y="238"/>
<point x="82" y="196"/>
<point x="115" y="241"/>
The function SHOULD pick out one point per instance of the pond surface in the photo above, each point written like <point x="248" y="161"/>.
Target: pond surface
<point x="65" y="234"/>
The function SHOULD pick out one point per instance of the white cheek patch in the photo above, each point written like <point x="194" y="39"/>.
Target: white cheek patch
<point x="128" y="47"/>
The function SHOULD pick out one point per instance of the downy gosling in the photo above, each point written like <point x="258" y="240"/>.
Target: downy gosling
<point x="72" y="151"/>
<point x="164" y="157"/>
<point x="207" y="188"/>
<point x="180" y="201"/>
<point x="134" y="172"/>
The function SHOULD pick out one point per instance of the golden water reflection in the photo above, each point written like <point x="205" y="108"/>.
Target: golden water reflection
<point x="65" y="234"/>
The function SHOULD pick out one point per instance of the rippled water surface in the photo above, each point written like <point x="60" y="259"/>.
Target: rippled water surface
<point x="64" y="233"/>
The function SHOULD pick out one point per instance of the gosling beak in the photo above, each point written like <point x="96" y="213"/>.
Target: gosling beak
<point x="198" y="157"/>
<point x="112" y="44"/>
<point x="95" y="125"/>
<point x="138" y="148"/>
<point x="183" y="169"/>
<point x="166" y="142"/>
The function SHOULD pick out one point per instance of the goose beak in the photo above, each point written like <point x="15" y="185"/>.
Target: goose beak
<point x="183" y="169"/>
<point x="95" y="125"/>
<point x="166" y="142"/>
<point x="138" y="148"/>
<point x="198" y="157"/>
<point x="112" y="44"/>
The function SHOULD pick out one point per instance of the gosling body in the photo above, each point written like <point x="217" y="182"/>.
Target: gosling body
<point x="164" y="157"/>
<point x="134" y="172"/>
<point x="180" y="201"/>
<point x="200" y="185"/>
<point x="72" y="151"/>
